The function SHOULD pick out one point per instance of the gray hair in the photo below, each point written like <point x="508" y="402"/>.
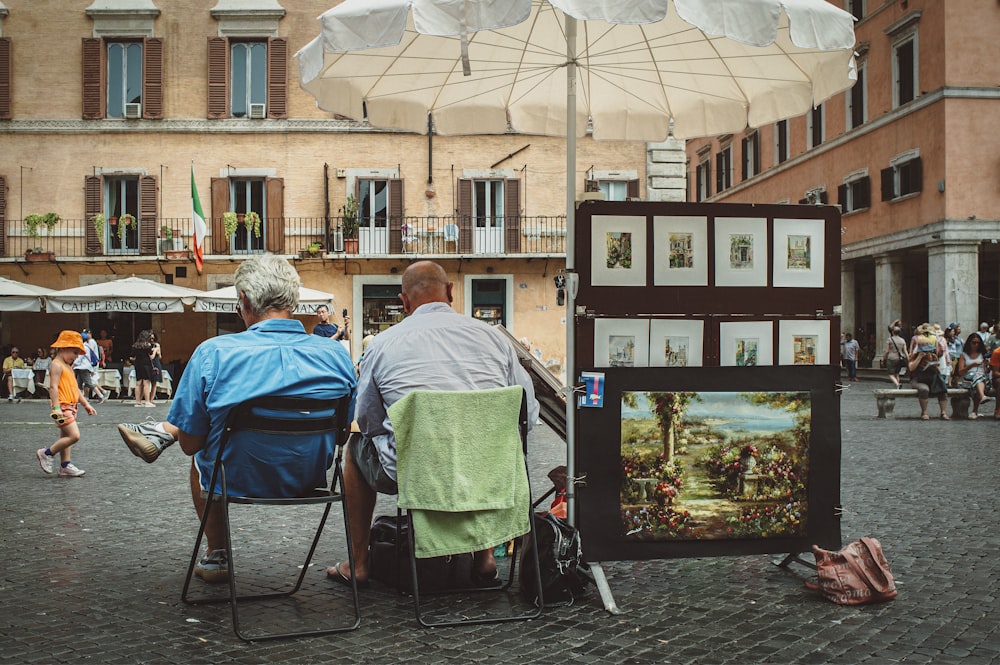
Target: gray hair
<point x="269" y="282"/>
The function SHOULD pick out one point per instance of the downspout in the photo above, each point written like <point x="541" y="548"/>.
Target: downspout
<point x="326" y="202"/>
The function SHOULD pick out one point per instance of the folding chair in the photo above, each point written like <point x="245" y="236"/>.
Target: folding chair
<point x="275" y="421"/>
<point x="460" y="448"/>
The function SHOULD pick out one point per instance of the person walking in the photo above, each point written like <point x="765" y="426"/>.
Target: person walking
<point x="64" y="398"/>
<point x="851" y="350"/>
<point x="895" y="353"/>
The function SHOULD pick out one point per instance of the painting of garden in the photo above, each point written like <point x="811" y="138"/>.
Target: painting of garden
<point x="714" y="465"/>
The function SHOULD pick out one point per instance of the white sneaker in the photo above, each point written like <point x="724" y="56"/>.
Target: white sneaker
<point x="70" y="471"/>
<point x="44" y="460"/>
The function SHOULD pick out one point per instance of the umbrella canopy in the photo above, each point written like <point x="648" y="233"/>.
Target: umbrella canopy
<point x="130" y="294"/>
<point x="224" y="300"/>
<point x="19" y="297"/>
<point x="709" y="66"/>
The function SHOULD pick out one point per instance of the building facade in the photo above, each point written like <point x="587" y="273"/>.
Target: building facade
<point x="110" y="109"/>
<point x="911" y="156"/>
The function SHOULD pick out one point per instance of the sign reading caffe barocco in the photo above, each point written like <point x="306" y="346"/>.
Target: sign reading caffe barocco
<point x="143" y="305"/>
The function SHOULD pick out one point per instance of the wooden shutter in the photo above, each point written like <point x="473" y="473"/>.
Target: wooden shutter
<point x="888" y="184"/>
<point x="152" y="78"/>
<point x="756" y="155"/>
<point x="591" y="186"/>
<point x="824" y="198"/>
<point x="148" y="231"/>
<point x="720" y="171"/>
<point x="632" y="189"/>
<point x="218" y="80"/>
<point x="842" y="198"/>
<point x="274" y="231"/>
<point x="864" y="194"/>
<point x="220" y="204"/>
<point x="512" y="216"/>
<point x="917" y="174"/>
<point x="465" y="228"/>
<point x="745" y="154"/>
<point x="3" y="216"/>
<point x="93" y="203"/>
<point x="94" y="103"/>
<point x="804" y="201"/>
<point x="277" y="78"/>
<point x="5" y="79"/>
<point x="395" y="216"/>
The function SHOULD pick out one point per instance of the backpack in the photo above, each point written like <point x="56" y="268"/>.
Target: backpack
<point x="391" y="566"/>
<point x="559" y="554"/>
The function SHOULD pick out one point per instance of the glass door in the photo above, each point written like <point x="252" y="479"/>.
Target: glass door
<point x="487" y="211"/>
<point x="373" y="216"/>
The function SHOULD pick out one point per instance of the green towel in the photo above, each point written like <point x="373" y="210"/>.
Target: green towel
<point x="461" y="469"/>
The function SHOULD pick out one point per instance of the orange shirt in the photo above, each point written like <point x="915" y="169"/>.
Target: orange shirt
<point x="995" y="361"/>
<point x="69" y="391"/>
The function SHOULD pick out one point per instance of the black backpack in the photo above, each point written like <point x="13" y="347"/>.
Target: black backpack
<point x="391" y="566"/>
<point x="559" y="559"/>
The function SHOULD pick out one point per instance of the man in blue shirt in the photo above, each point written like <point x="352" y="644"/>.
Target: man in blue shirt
<point x="273" y="357"/>
<point x="326" y="329"/>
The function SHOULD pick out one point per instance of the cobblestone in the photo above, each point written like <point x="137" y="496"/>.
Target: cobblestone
<point x="93" y="567"/>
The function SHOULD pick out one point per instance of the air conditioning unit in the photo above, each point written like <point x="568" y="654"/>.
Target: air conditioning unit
<point x="258" y="111"/>
<point x="133" y="110"/>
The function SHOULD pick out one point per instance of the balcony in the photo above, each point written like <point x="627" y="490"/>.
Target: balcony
<point x="304" y="237"/>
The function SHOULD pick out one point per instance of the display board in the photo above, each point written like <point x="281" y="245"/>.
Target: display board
<point x="706" y="341"/>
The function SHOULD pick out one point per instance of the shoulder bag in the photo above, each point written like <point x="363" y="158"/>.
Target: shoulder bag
<point x="856" y="575"/>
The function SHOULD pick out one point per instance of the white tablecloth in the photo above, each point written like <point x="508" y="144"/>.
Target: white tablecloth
<point x="110" y="379"/>
<point x="24" y="379"/>
<point x="164" y="386"/>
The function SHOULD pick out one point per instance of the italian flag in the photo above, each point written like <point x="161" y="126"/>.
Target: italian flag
<point x="198" y="220"/>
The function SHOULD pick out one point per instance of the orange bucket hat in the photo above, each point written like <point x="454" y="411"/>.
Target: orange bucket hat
<point x="69" y="339"/>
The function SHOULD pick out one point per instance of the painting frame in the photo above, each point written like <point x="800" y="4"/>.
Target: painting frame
<point x="731" y="333"/>
<point x="789" y="329"/>
<point x="601" y="271"/>
<point x="749" y="270"/>
<point x="662" y="329"/>
<point x="606" y="329"/>
<point x="666" y="274"/>
<point x="789" y="271"/>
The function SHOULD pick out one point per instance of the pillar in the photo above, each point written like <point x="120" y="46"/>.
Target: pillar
<point x="953" y="283"/>
<point x="666" y="173"/>
<point x="888" y="296"/>
<point x="847" y="302"/>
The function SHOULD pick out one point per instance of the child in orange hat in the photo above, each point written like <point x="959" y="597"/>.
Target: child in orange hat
<point x="64" y="396"/>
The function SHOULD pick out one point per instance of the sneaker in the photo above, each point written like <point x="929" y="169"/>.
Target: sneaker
<point x="103" y="398"/>
<point x="214" y="568"/>
<point x="44" y="460"/>
<point x="10" y="399"/>
<point x="70" y="471"/>
<point x="144" y="440"/>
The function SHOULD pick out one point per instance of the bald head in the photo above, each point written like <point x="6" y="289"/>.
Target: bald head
<point x="425" y="282"/>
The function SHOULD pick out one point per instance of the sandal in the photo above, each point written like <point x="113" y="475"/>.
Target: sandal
<point x="925" y="417"/>
<point x="334" y="573"/>
<point x="945" y="416"/>
<point x="486" y="580"/>
<point x="973" y="416"/>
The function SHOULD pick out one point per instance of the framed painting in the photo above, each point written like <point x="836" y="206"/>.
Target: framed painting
<point x="740" y="251"/>
<point x="699" y="464"/>
<point x="618" y="250"/>
<point x="804" y="342"/>
<point x="621" y="343"/>
<point x="676" y="342"/>
<point x="680" y="251"/>
<point x="799" y="246"/>
<point x="746" y="343"/>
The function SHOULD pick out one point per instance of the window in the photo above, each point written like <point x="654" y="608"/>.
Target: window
<point x="489" y="213"/>
<point x="487" y="203"/>
<point x="613" y="190"/>
<point x="904" y="176"/>
<point x="815" y="126"/>
<point x="856" y="8"/>
<point x="751" y="155"/>
<point x="373" y="203"/>
<point x="905" y="58"/>
<point x="856" y="192"/>
<point x="857" y="98"/>
<point x="247" y="78"/>
<point x="724" y="169"/>
<point x="122" y="78"/>
<point x="702" y="179"/>
<point x="780" y="141"/>
<point x="121" y="197"/>
<point x="615" y="185"/>
<point x="248" y="194"/>
<point x="115" y="195"/>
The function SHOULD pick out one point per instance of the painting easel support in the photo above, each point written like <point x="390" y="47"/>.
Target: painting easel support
<point x="794" y="558"/>
<point x="601" y="582"/>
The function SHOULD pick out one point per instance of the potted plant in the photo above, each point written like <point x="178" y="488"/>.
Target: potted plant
<point x="229" y="222"/>
<point x="166" y="233"/>
<point x="33" y="224"/>
<point x="124" y="222"/>
<point x="349" y="224"/>
<point x="252" y="220"/>
<point x="98" y="221"/>
<point x="314" y="248"/>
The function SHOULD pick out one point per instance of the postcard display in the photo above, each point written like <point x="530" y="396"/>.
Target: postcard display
<point x="708" y="348"/>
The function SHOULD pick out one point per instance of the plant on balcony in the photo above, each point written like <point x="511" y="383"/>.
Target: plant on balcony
<point x="98" y="222"/>
<point x="230" y="221"/>
<point x="166" y="232"/>
<point x="349" y="217"/>
<point x="124" y="222"/>
<point x="314" y="248"/>
<point x="34" y="222"/>
<point x="252" y="220"/>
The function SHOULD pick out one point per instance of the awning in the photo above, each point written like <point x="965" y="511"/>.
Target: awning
<point x="19" y="297"/>
<point x="224" y="300"/>
<point x="134" y="295"/>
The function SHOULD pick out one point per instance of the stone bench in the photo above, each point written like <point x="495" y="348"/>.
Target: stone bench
<point x="885" y="400"/>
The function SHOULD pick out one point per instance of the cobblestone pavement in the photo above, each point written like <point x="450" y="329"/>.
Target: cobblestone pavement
<point x="93" y="567"/>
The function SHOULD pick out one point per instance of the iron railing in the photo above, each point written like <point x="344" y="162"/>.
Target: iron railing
<point x="297" y="236"/>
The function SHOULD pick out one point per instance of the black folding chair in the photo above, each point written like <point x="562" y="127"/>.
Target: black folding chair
<point x="281" y="418"/>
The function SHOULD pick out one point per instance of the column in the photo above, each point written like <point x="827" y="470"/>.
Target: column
<point x="847" y="302"/>
<point x="888" y="296"/>
<point x="953" y="283"/>
<point x="666" y="177"/>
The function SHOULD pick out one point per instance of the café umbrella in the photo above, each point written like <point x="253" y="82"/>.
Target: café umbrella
<point x="224" y="300"/>
<point x="20" y="297"/>
<point x="133" y="295"/>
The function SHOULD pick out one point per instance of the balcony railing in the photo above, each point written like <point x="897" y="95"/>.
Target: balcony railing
<point x="296" y="236"/>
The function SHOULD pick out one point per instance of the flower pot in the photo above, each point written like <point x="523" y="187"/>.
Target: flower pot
<point x="177" y="254"/>
<point x="351" y="245"/>
<point x="39" y="256"/>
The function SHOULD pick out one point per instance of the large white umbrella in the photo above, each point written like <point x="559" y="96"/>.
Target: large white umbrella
<point x="489" y="66"/>
<point x="224" y="300"/>
<point x="20" y="297"/>
<point x="130" y="294"/>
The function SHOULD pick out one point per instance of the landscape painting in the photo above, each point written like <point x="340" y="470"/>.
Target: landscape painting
<point x="714" y="465"/>
<point x="675" y="351"/>
<point x="619" y="250"/>
<point x="621" y="351"/>
<point x="804" y="349"/>
<point x="799" y="256"/>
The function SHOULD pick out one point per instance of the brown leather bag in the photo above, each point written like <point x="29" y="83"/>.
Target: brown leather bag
<point x="856" y="575"/>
